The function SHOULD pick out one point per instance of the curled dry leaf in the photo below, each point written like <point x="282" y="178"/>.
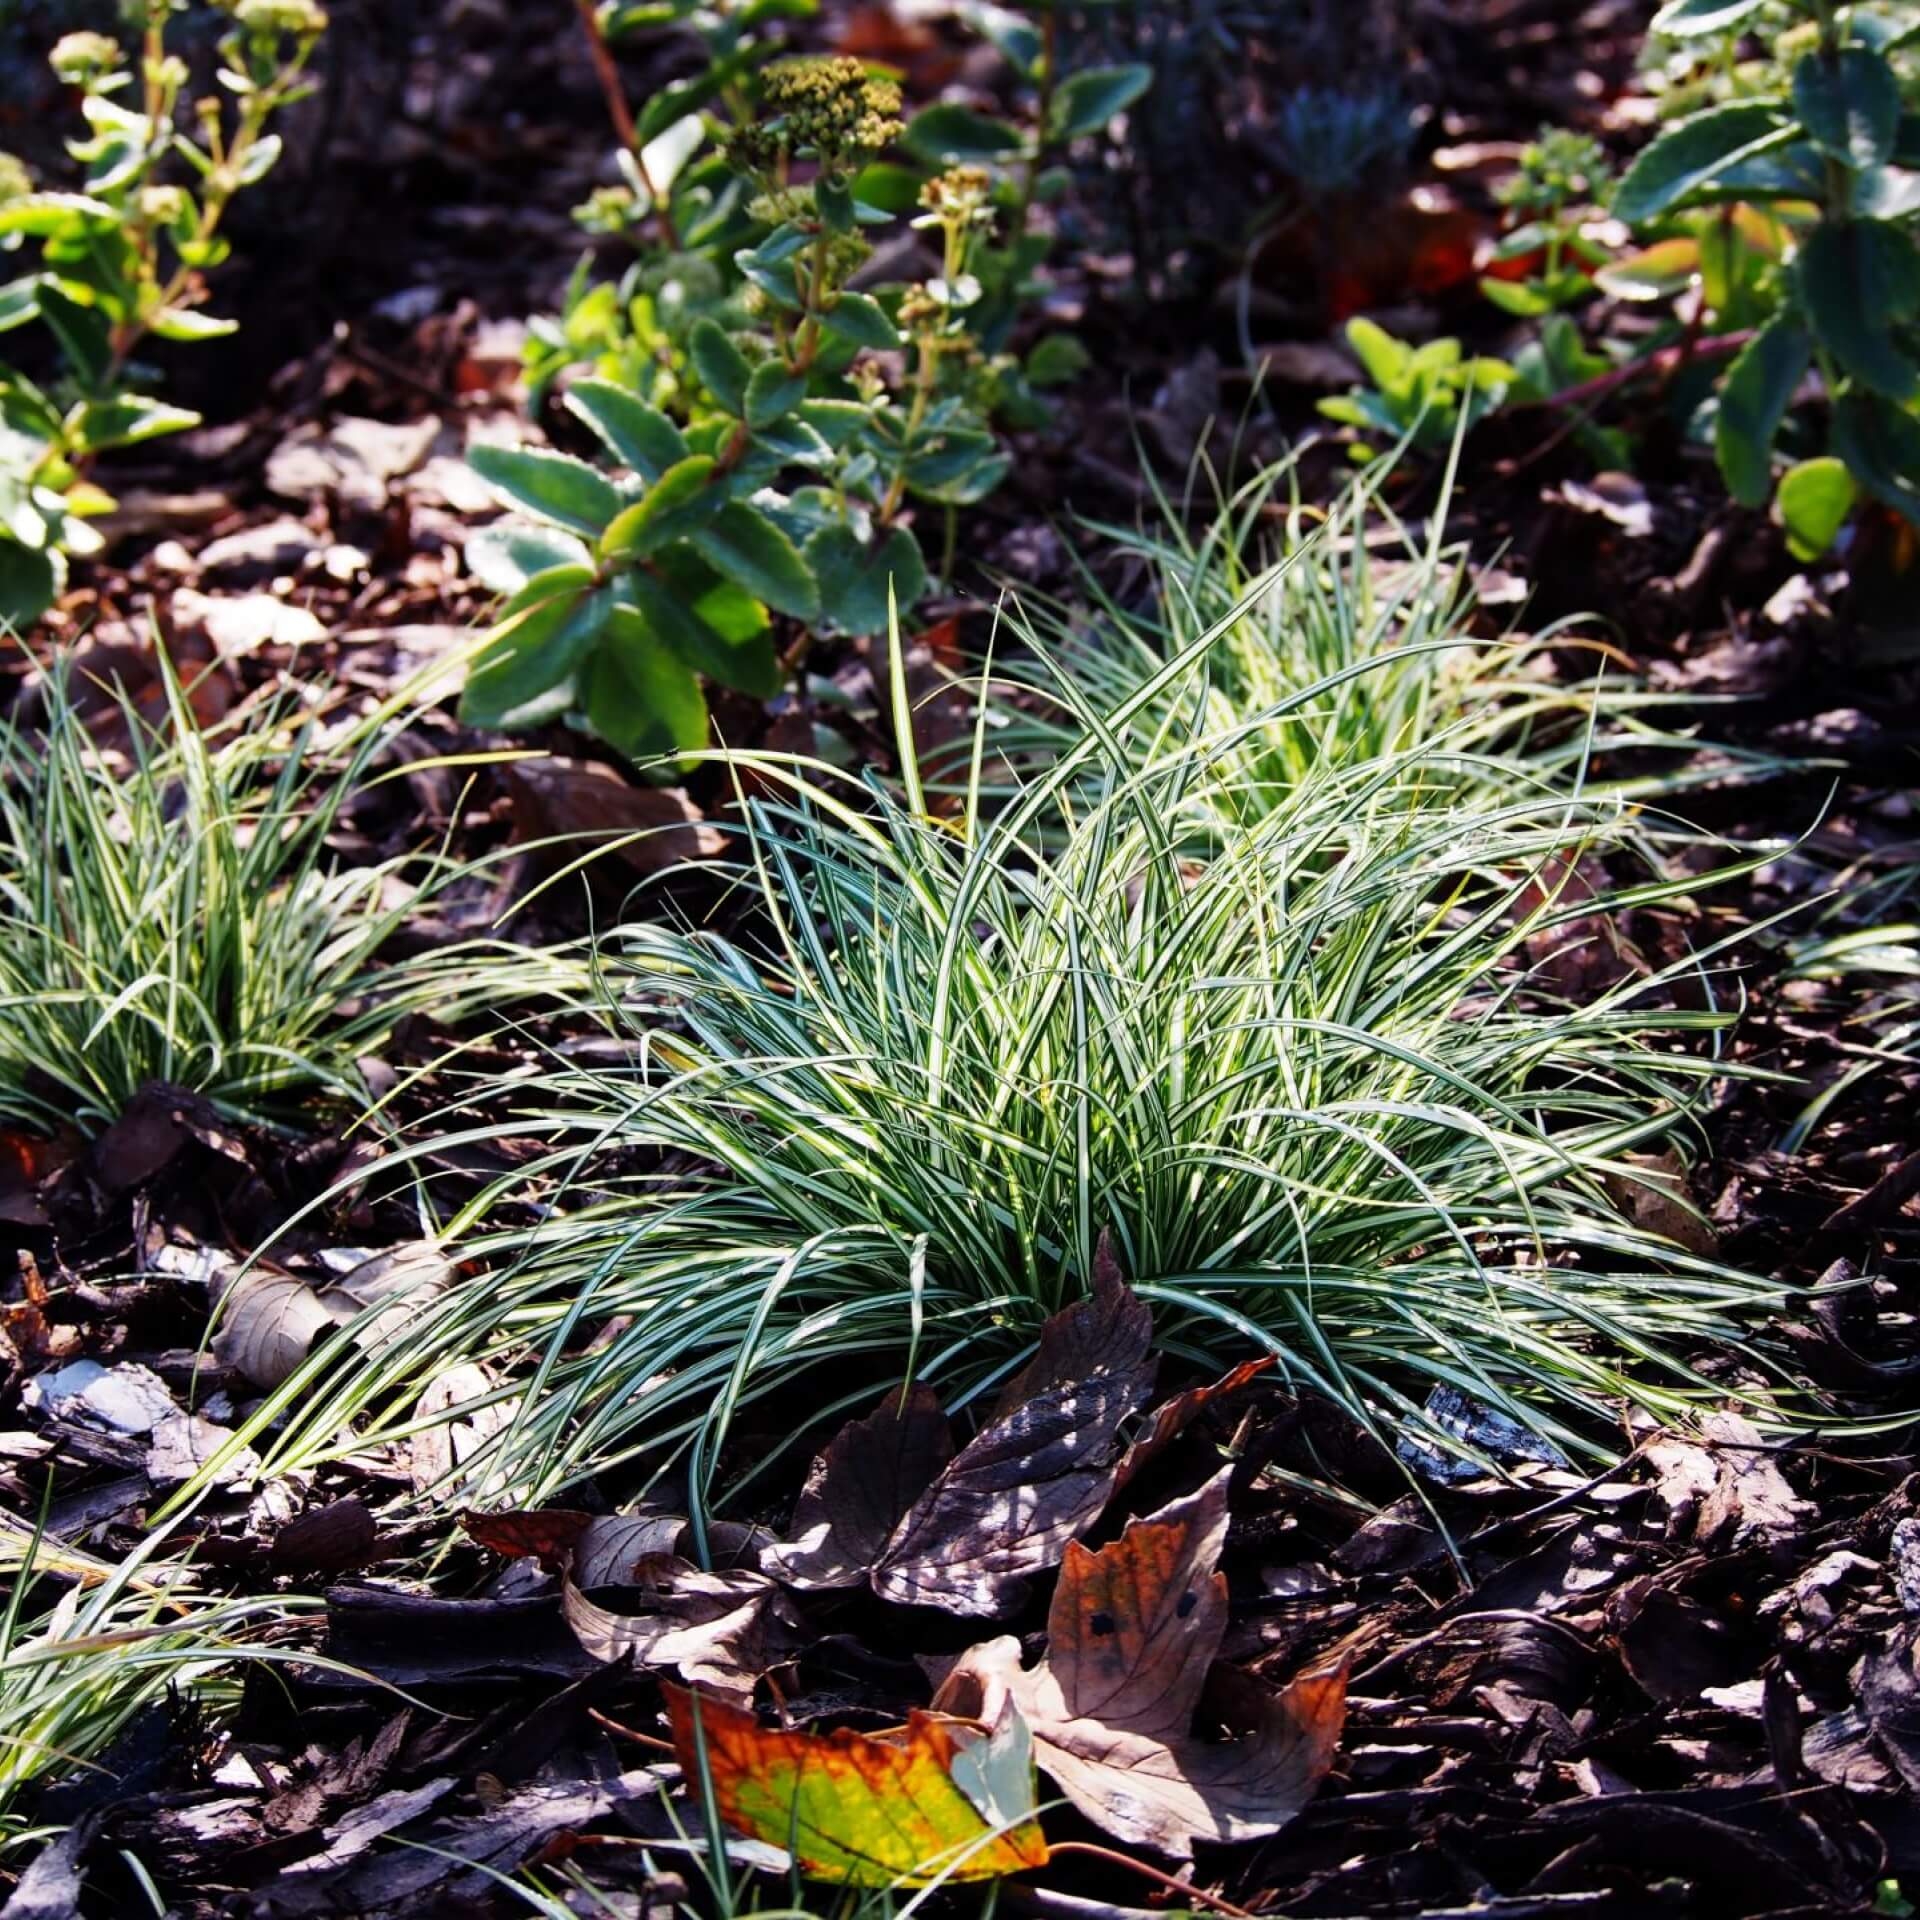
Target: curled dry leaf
<point x="1007" y="1503"/>
<point x="935" y="1800"/>
<point x="1131" y="1642"/>
<point x="270" y="1318"/>
<point x="1171" y="1418"/>
<point x="719" y="1630"/>
<point x="463" y="1411"/>
<point x="604" y="1549"/>
<point x="1652" y="1190"/>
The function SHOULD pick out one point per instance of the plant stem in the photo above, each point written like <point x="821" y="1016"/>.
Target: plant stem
<point x="607" y="72"/>
<point x="1173" y="1885"/>
<point x="1049" y="59"/>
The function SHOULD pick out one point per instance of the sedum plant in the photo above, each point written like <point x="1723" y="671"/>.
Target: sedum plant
<point x="640" y="584"/>
<point x="1545" y="259"/>
<point x="1318" y="1086"/>
<point x="779" y="432"/>
<point x="1423" y="395"/>
<point x="123" y="260"/>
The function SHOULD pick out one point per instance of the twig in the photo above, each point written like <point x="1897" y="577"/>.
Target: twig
<point x="1662" y="362"/>
<point x="607" y="71"/>
<point x="1140" y="1867"/>
<point x="628" y="1733"/>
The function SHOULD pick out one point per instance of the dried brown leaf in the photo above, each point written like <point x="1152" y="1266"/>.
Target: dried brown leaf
<point x="1132" y="1637"/>
<point x="1038" y="1473"/>
<point x="860" y="1489"/>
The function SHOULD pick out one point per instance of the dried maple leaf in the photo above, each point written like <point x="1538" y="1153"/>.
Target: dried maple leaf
<point x="936" y="1800"/>
<point x="1039" y="1472"/>
<point x="546" y="1534"/>
<point x="860" y="1489"/>
<point x="1131" y="1640"/>
<point x="1171" y="1418"/>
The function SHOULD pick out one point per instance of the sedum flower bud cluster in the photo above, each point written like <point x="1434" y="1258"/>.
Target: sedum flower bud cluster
<point x="829" y="108"/>
<point x="82" y="58"/>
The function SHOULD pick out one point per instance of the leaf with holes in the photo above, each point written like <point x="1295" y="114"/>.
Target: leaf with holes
<point x="1132" y="1637"/>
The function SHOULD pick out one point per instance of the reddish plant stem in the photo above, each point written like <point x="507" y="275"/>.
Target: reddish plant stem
<point x="1167" y="1880"/>
<point x="1663" y="362"/>
<point x="608" y="73"/>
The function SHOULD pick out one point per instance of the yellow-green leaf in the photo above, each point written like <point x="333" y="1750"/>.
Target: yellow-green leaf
<point x="867" y="1810"/>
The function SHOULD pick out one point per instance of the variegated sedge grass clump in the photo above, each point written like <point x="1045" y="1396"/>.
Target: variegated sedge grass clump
<point x="1379" y="621"/>
<point x="87" y="1644"/>
<point x="170" y="911"/>
<point x="1316" y="1083"/>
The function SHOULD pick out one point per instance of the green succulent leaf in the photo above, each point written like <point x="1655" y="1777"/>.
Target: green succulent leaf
<point x="1857" y="280"/>
<point x="637" y="435"/>
<point x="853" y="576"/>
<point x="639" y="695"/>
<point x="728" y="642"/>
<point x="1691" y="156"/>
<point x="772" y="393"/>
<point x="46" y="216"/>
<point x="947" y="132"/>
<point x="1814" y="500"/>
<point x="863" y="320"/>
<point x="552" y="486"/>
<point x="1684" y="19"/>
<point x="1085" y="101"/>
<point x="1850" y="103"/>
<point x="504" y="558"/>
<point x="1759" y="388"/>
<point x="544" y="635"/>
<point x="835" y="421"/>
<point x="30" y="582"/>
<point x="721" y="365"/>
<point x="189" y="323"/>
<point x="1058" y="358"/>
<point x="1881" y="446"/>
<point x="682" y="500"/>
<point x="125" y="421"/>
<point x="746" y="547"/>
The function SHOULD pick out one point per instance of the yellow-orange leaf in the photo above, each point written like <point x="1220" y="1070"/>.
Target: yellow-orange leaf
<point x="869" y="1810"/>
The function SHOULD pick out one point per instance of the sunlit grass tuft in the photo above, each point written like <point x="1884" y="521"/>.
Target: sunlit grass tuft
<point x="171" y="911"/>
<point x="1320" y="1085"/>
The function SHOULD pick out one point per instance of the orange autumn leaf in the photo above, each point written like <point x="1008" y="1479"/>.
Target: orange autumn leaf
<point x="936" y="1800"/>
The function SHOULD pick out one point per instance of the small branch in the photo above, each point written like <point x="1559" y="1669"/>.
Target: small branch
<point x="1166" y="1880"/>
<point x="1663" y="363"/>
<point x="607" y="71"/>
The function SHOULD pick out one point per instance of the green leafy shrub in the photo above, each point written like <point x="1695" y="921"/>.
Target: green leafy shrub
<point x="173" y="914"/>
<point x="1426" y="396"/>
<point x="1545" y="262"/>
<point x="124" y="259"/>
<point x="745" y="387"/>
<point x="1786" y="203"/>
<point x="1317" y="1085"/>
